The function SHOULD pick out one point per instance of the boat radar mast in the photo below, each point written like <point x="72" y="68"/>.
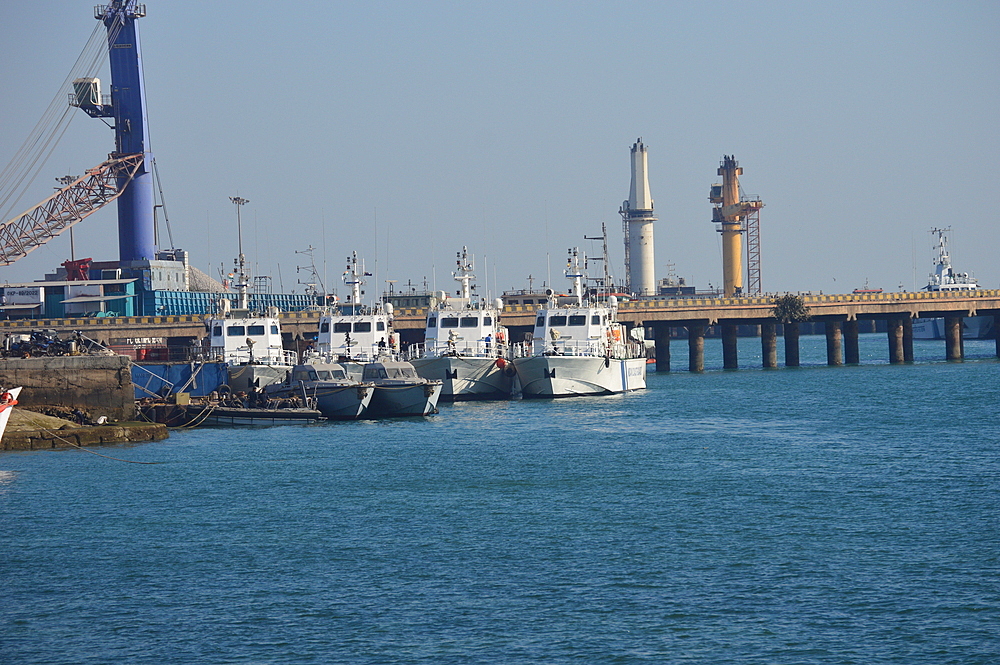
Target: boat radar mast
<point x="464" y="273"/>
<point x="574" y="273"/>
<point x="353" y="278"/>
<point x="242" y="278"/>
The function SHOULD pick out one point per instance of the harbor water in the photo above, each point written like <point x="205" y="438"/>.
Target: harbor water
<point x="809" y="515"/>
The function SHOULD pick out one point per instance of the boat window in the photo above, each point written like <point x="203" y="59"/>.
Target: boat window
<point x="236" y="331"/>
<point x="339" y="374"/>
<point x="450" y="322"/>
<point x="380" y="325"/>
<point x="487" y="320"/>
<point x="324" y="327"/>
<point x="578" y="320"/>
<point x="596" y="319"/>
<point x="470" y="321"/>
<point x="528" y="301"/>
<point x="326" y="375"/>
<point x="217" y="331"/>
<point x="363" y="326"/>
<point x="274" y="329"/>
<point x="372" y="373"/>
<point x="557" y="321"/>
<point x="432" y="322"/>
<point x="341" y="327"/>
<point x="304" y="375"/>
<point x="255" y="331"/>
<point x="540" y="323"/>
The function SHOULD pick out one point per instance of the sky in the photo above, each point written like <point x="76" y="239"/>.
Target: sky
<point x="407" y="130"/>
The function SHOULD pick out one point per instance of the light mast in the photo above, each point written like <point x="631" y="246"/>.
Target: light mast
<point x="637" y="218"/>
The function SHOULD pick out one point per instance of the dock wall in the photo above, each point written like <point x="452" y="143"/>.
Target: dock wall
<point x="98" y="385"/>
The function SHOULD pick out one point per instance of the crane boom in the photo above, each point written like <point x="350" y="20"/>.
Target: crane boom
<point x="85" y="195"/>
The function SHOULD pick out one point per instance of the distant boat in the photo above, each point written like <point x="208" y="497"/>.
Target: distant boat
<point x="944" y="278"/>
<point x="7" y="401"/>
<point x="464" y="345"/>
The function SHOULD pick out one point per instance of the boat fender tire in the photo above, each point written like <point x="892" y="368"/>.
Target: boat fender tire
<point x="224" y="389"/>
<point x="509" y="371"/>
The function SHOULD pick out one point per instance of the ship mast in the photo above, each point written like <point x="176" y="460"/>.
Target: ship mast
<point x="464" y="273"/>
<point x="243" y="279"/>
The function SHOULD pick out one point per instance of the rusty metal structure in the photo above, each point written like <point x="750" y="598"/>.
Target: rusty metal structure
<point x="68" y="206"/>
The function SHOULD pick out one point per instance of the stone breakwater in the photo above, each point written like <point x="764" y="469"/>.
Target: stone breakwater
<point x="46" y="439"/>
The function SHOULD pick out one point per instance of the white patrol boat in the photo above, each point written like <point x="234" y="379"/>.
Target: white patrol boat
<point x="399" y="391"/>
<point x="337" y="396"/>
<point x="249" y="343"/>
<point x="353" y="334"/>
<point x="944" y="278"/>
<point x="464" y="345"/>
<point x="579" y="349"/>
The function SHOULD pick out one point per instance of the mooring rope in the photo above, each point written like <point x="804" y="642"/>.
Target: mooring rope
<point x="117" y="459"/>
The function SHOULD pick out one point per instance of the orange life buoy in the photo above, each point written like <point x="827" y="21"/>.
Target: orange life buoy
<point x="501" y="363"/>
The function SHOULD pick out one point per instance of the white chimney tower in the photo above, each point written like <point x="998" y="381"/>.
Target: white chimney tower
<point x="638" y="217"/>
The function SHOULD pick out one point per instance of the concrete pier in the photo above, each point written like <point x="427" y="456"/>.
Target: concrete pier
<point x="661" y="340"/>
<point x="894" y="333"/>
<point x="97" y="385"/>
<point x="696" y="347"/>
<point x="907" y="339"/>
<point x="954" y="349"/>
<point x="768" y="345"/>
<point x="834" y="345"/>
<point x="729" y="349"/>
<point x="791" y="344"/>
<point x="852" y="353"/>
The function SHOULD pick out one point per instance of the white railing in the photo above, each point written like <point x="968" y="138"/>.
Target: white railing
<point x="243" y="356"/>
<point x="467" y="348"/>
<point x="583" y="347"/>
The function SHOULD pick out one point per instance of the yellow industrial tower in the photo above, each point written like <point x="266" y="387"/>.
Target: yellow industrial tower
<point x="730" y="211"/>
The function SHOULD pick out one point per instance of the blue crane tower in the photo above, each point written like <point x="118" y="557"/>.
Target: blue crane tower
<point x="127" y="105"/>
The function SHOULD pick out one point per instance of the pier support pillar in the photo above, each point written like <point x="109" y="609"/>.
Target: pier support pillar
<point x="996" y="331"/>
<point x="791" y="344"/>
<point x="834" y="343"/>
<point x="696" y="347"/>
<point x="661" y="341"/>
<point x="894" y="331"/>
<point x="953" y="337"/>
<point x="852" y="354"/>
<point x="769" y="345"/>
<point x="729" y="353"/>
<point x="907" y="339"/>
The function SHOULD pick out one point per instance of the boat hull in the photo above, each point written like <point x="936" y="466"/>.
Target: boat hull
<point x="246" y="377"/>
<point x="200" y="415"/>
<point x="569" y="376"/>
<point x="467" y="378"/>
<point x="973" y="327"/>
<point x="342" y="402"/>
<point x="404" y="400"/>
<point x="6" y="407"/>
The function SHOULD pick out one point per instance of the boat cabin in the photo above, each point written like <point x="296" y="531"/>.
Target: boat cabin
<point x="248" y="340"/>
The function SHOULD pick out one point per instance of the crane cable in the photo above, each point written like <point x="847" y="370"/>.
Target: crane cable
<point x="22" y="171"/>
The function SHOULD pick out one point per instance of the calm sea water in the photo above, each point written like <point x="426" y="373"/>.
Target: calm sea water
<point x="812" y="515"/>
